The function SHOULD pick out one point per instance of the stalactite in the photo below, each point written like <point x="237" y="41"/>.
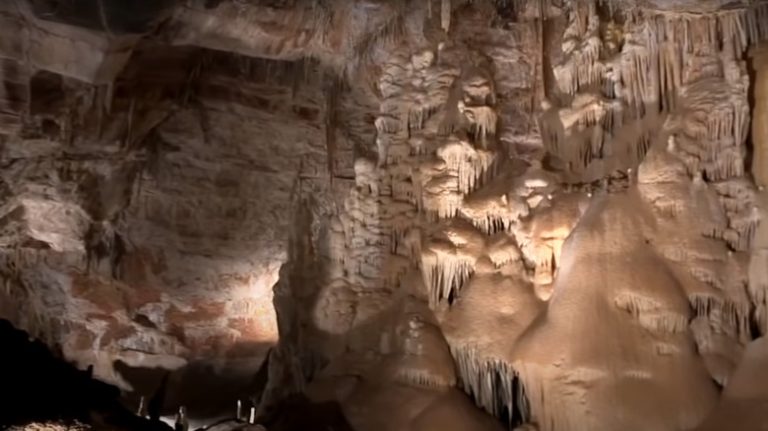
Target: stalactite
<point x="492" y="214"/>
<point x="331" y="102"/>
<point x="445" y="15"/>
<point x="758" y="286"/>
<point x="635" y="72"/>
<point x="445" y="273"/>
<point x="503" y="251"/>
<point x="472" y="166"/>
<point x="421" y="378"/>
<point x="420" y="115"/>
<point x="670" y="37"/>
<point x="650" y="314"/>
<point x="491" y="225"/>
<point x="374" y="242"/>
<point x="483" y="120"/>
<point x="438" y="190"/>
<point x="492" y="383"/>
<point x="582" y="47"/>
<point x="729" y="316"/>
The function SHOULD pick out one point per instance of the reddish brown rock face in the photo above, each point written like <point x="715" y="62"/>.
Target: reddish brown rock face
<point x="165" y="255"/>
<point x="539" y="209"/>
<point x="157" y="239"/>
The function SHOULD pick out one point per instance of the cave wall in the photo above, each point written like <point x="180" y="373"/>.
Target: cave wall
<point x="474" y="214"/>
<point x="144" y="220"/>
<point x="594" y="262"/>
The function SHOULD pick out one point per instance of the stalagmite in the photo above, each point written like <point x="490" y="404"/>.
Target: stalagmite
<point x="141" y="410"/>
<point x="552" y="402"/>
<point x="182" y="423"/>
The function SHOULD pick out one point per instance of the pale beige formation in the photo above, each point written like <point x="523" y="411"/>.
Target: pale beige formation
<point x="760" y="113"/>
<point x="462" y="215"/>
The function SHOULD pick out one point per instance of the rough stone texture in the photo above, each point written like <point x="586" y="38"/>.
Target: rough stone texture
<point x="759" y="125"/>
<point x="538" y="207"/>
<point x="629" y="218"/>
<point x="145" y="221"/>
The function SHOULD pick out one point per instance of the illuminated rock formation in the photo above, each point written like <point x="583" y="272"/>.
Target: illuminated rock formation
<point x="439" y="214"/>
<point x="759" y="127"/>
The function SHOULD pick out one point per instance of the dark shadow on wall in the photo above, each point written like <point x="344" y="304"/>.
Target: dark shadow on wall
<point x="201" y="146"/>
<point x="298" y="413"/>
<point x="206" y="392"/>
<point x="37" y="385"/>
<point x="112" y="16"/>
<point x="209" y="395"/>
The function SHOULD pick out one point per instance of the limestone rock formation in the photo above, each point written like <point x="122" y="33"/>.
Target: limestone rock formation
<point x="439" y="214"/>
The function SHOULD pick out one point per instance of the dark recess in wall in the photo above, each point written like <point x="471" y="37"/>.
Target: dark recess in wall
<point x="38" y="386"/>
<point x="112" y="16"/>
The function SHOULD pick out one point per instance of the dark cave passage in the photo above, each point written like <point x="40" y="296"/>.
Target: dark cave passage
<point x="38" y="386"/>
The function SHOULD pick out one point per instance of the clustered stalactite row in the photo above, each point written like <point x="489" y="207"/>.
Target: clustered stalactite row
<point x="645" y="127"/>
